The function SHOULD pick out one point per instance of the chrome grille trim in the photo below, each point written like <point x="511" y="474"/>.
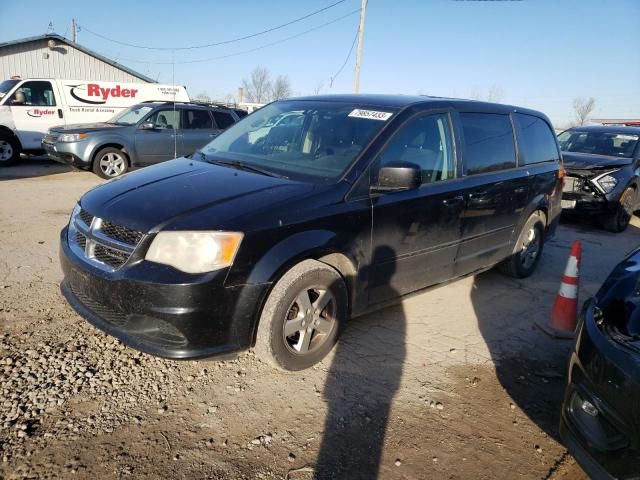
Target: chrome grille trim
<point x="88" y="241"/>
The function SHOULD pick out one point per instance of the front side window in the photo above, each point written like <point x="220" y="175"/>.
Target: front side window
<point x="538" y="141"/>
<point x="317" y="144"/>
<point x="615" y="144"/>
<point x="35" y="93"/>
<point x="426" y="142"/>
<point x="165" y="119"/>
<point x="489" y="145"/>
<point x="197" y="119"/>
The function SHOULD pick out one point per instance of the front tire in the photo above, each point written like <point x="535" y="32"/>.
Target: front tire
<point x="110" y="163"/>
<point x="302" y="317"/>
<point x="524" y="260"/>
<point x="619" y="220"/>
<point x="9" y="150"/>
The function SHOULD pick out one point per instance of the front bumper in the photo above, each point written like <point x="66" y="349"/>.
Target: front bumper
<point x="587" y="204"/>
<point x="141" y="305"/>
<point x="606" y="445"/>
<point x="72" y="153"/>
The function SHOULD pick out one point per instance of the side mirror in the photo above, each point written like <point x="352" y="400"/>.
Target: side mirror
<point x="147" y="126"/>
<point x="398" y="177"/>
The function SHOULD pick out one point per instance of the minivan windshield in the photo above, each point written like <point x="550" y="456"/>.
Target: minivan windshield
<point x="7" y="85"/>
<point x="615" y="144"/>
<point x="130" y="116"/>
<point x="305" y="140"/>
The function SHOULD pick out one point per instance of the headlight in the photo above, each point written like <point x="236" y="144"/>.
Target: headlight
<point x="195" y="252"/>
<point x="607" y="182"/>
<point x="71" y="137"/>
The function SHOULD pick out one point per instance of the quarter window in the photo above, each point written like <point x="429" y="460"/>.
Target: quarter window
<point x="489" y="145"/>
<point x="426" y="142"/>
<point x="538" y="142"/>
<point x="197" y="119"/>
<point x="36" y="94"/>
<point x="223" y="120"/>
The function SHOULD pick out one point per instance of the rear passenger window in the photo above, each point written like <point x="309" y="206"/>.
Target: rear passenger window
<point x="224" y="120"/>
<point x="538" y="142"/>
<point x="197" y="119"/>
<point x="488" y="139"/>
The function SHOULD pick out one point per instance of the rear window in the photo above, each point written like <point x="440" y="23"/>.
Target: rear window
<point x="489" y="145"/>
<point x="538" y="142"/>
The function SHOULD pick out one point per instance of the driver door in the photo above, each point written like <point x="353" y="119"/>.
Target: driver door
<point x="163" y="141"/>
<point x="416" y="232"/>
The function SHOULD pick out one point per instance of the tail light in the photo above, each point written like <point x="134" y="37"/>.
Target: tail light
<point x="562" y="173"/>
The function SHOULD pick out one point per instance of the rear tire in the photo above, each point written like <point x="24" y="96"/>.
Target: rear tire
<point x="302" y="317"/>
<point x="528" y="250"/>
<point x="619" y="219"/>
<point x="110" y="163"/>
<point x="9" y="150"/>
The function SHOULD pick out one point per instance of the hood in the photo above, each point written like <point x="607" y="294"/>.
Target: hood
<point x="167" y="195"/>
<point x="619" y="299"/>
<point x="84" y="127"/>
<point x="588" y="161"/>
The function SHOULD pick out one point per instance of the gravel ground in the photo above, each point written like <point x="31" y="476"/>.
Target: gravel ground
<point x="452" y="383"/>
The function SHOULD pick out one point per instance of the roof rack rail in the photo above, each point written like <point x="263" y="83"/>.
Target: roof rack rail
<point x="193" y="102"/>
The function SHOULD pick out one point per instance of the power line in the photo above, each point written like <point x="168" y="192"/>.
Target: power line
<point x="346" y="59"/>
<point x="243" y="52"/>
<point x="224" y="42"/>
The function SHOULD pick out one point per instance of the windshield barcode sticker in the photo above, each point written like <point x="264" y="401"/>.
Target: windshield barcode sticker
<point x="370" y="114"/>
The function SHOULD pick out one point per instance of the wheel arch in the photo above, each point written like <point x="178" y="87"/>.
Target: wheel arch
<point x="7" y="131"/>
<point x="319" y="245"/>
<point x="118" y="145"/>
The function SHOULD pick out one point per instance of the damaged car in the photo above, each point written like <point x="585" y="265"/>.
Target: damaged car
<point x="600" y="422"/>
<point x="602" y="173"/>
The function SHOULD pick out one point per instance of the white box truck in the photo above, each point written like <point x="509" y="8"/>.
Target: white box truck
<point x="30" y="107"/>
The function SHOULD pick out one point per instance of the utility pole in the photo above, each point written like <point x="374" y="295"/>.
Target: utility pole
<point x="74" y="31"/>
<point x="356" y="79"/>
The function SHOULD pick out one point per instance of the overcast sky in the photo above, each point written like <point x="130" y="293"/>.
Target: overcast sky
<point x="538" y="53"/>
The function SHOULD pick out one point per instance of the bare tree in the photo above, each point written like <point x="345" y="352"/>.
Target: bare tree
<point x="317" y="90"/>
<point x="258" y="88"/>
<point x="582" y="108"/>
<point x="281" y="88"/>
<point x="495" y="94"/>
<point x="202" y="97"/>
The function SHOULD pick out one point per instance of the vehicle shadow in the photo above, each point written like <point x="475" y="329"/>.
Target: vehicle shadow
<point x="29" y="167"/>
<point x="363" y="378"/>
<point x="530" y="365"/>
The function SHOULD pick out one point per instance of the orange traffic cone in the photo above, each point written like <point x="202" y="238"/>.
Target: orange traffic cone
<point x="564" y="313"/>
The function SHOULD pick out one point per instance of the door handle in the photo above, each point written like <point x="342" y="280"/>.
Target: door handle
<point x="60" y="115"/>
<point x="448" y="202"/>
<point x="211" y="135"/>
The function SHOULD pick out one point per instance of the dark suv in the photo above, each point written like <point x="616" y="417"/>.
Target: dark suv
<point x="275" y="233"/>
<point x="602" y="173"/>
<point x="144" y="134"/>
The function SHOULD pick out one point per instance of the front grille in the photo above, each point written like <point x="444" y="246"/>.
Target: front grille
<point x="110" y="256"/>
<point x="102" y="243"/>
<point x="81" y="240"/>
<point x="86" y="217"/>
<point x="122" y="234"/>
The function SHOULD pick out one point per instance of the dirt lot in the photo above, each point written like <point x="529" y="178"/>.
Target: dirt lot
<point x="454" y="383"/>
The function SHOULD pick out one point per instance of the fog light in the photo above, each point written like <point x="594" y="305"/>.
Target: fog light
<point x="589" y="408"/>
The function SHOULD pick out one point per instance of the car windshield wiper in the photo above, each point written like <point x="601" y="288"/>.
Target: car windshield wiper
<point x="244" y="166"/>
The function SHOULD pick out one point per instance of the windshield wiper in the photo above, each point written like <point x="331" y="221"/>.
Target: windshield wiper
<point x="244" y="166"/>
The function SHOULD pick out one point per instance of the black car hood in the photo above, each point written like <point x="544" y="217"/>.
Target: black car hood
<point x="168" y="195"/>
<point x="85" y="127"/>
<point x="588" y="161"/>
<point x="619" y="299"/>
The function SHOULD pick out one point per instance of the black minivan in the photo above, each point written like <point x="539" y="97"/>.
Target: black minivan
<point x="306" y="213"/>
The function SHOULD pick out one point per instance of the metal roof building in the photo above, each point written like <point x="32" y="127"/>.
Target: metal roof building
<point x="53" y="56"/>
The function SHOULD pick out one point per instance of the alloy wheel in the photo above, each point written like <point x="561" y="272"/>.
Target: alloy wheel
<point x="112" y="164"/>
<point x="310" y="319"/>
